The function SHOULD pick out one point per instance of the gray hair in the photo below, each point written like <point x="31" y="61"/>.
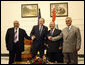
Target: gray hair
<point x="69" y="18"/>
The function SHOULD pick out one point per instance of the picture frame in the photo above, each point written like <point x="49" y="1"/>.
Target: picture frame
<point x="29" y="10"/>
<point x="61" y="9"/>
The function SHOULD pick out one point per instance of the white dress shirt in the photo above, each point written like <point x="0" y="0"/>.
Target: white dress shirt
<point x="40" y="27"/>
<point x="70" y="27"/>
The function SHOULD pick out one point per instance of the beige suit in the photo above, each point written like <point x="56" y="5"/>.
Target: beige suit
<point x="71" y="42"/>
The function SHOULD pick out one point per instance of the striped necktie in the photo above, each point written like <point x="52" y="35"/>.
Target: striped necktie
<point x="15" y="36"/>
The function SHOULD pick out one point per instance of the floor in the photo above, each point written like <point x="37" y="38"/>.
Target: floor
<point x="4" y="60"/>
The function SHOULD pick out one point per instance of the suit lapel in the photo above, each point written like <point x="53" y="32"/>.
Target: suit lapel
<point x="49" y="33"/>
<point x="19" y="32"/>
<point x="13" y="32"/>
<point x="43" y="29"/>
<point x="68" y="33"/>
<point x="38" y="30"/>
<point x="54" y="32"/>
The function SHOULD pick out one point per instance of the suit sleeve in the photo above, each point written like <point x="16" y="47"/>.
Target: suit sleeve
<point x="57" y="37"/>
<point x="32" y="32"/>
<point x="46" y="35"/>
<point x="78" y="46"/>
<point x="26" y="36"/>
<point x="61" y="40"/>
<point x="7" y="39"/>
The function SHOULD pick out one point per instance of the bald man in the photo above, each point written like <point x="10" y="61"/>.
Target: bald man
<point x="54" y="49"/>
<point x="38" y="36"/>
<point x="15" y="42"/>
<point x="72" y="42"/>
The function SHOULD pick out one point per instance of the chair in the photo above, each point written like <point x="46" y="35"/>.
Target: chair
<point x="26" y="54"/>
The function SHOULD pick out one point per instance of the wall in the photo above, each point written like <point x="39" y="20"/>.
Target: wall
<point x="11" y="10"/>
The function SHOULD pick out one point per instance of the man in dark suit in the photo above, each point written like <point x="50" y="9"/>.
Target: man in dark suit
<point x="38" y="36"/>
<point x="15" y="42"/>
<point x="54" y="51"/>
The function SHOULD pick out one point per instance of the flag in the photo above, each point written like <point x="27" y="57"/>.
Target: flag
<point x="54" y="16"/>
<point x="39" y="15"/>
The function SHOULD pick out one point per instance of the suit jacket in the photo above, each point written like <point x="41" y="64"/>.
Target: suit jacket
<point x="72" y="39"/>
<point x="40" y="39"/>
<point x="10" y="39"/>
<point x="53" y="46"/>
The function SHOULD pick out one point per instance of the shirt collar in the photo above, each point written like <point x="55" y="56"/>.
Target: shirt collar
<point x="17" y="28"/>
<point x="70" y="26"/>
<point x="40" y="26"/>
<point x="53" y="29"/>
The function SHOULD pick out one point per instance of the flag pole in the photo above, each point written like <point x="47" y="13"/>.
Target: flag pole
<point x="39" y="15"/>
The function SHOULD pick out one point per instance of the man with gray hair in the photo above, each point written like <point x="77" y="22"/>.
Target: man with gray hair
<point x="71" y="42"/>
<point x="15" y="42"/>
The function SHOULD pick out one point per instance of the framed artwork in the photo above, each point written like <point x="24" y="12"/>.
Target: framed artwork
<point x="29" y="10"/>
<point x="61" y="9"/>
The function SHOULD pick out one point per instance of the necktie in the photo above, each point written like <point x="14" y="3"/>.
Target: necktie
<point x="51" y="32"/>
<point x="15" y="36"/>
<point x="68" y="29"/>
<point x="40" y="30"/>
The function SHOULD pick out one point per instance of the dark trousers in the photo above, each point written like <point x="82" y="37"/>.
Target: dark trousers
<point x="59" y="57"/>
<point x="14" y="54"/>
<point x="52" y="57"/>
<point x="36" y="49"/>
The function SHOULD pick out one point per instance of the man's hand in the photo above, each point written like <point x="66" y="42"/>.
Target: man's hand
<point x="60" y="48"/>
<point x="33" y="37"/>
<point x="49" y="37"/>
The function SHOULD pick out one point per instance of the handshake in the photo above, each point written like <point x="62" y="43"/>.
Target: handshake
<point x="50" y="37"/>
<point x="33" y="37"/>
